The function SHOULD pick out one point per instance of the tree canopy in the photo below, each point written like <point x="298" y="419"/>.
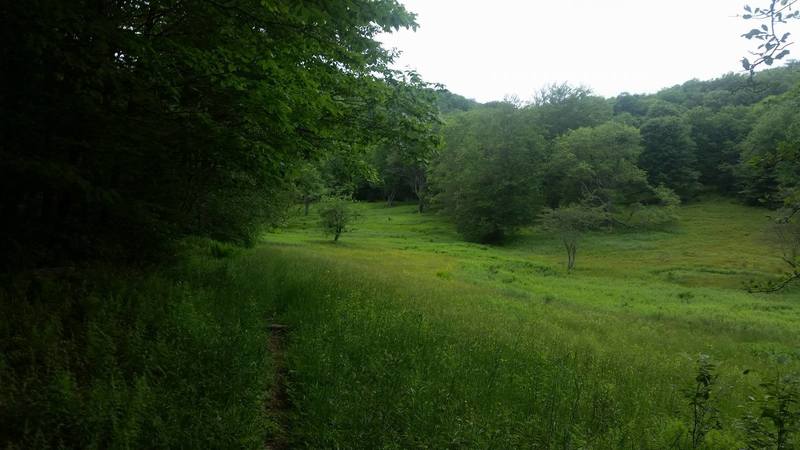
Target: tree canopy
<point x="669" y="156"/>
<point x="489" y="174"/>
<point x="599" y="162"/>
<point x="128" y="124"/>
<point x="561" y="107"/>
<point x="770" y="167"/>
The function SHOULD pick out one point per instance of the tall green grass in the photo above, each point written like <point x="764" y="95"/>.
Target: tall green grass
<point x="116" y="358"/>
<point x="404" y="337"/>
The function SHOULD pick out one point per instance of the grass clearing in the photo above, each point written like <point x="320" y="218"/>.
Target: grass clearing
<point x="405" y="336"/>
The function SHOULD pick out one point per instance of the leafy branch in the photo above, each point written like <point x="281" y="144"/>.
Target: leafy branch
<point x="785" y="235"/>
<point x="774" y="43"/>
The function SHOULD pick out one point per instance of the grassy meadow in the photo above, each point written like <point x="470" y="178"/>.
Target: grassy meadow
<point x="401" y="335"/>
<point x="405" y="336"/>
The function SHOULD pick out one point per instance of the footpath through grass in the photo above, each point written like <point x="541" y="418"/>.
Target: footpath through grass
<point x="404" y="336"/>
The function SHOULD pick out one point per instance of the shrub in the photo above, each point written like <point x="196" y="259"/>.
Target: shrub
<point x="336" y="216"/>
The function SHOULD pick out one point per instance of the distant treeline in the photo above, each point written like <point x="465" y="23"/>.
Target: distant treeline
<point x="501" y="163"/>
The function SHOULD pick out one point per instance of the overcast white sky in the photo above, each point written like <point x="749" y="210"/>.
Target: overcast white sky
<point x="490" y="48"/>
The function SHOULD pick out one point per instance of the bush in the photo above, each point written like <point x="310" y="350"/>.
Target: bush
<point x="658" y="213"/>
<point x="336" y="216"/>
<point x="570" y="223"/>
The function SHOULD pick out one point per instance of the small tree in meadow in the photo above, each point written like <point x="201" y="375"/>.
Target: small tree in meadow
<point x="784" y="235"/>
<point x="571" y="222"/>
<point x="336" y="216"/>
<point x="705" y="415"/>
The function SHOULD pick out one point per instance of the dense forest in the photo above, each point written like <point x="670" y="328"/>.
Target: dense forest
<point x="147" y="147"/>
<point x="130" y="126"/>
<point x="719" y="136"/>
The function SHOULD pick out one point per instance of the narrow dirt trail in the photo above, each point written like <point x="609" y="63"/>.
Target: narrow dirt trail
<point x="278" y="403"/>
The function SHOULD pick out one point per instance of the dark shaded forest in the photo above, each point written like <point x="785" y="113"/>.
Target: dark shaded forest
<point x="128" y="125"/>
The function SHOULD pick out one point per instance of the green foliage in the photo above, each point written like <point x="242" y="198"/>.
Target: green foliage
<point x="669" y="154"/>
<point x="120" y="358"/>
<point x="705" y="415"/>
<point x="408" y="137"/>
<point x="717" y="135"/>
<point x="661" y="108"/>
<point x="450" y="102"/>
<point x="776" y="419"/>
<point x="784" y="236"/>
<point x="634" y="104"/>
<point x="731" y="89"/>
<point x="599" y="162"/>
<point x="561" y="107"/>
<point x="402" y="160"/>
<point x="310" y="185"/>
<point x="345" y="169"/>
<point x="697" y="136"/>
<point x="130" y="124"/>
<point x="775" y="42"/>
<point x="393" y="172"/>
<point x="336" y="216"/>
<point x="490" y="346"/>
<point x="570" y="222"/>
<point x="488" y="176"/>
<point x="770" y="167"/>
<point x="659" y="211"/>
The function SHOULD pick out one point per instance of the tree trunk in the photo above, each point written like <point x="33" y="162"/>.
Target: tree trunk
<point x="338" y="232"/>
<point x="390" y="198"/>
<point x="418" y="185"/>
<point x="571" y="260"/>
<point x="571" y="251"/>
<point x="306" y="204"/>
